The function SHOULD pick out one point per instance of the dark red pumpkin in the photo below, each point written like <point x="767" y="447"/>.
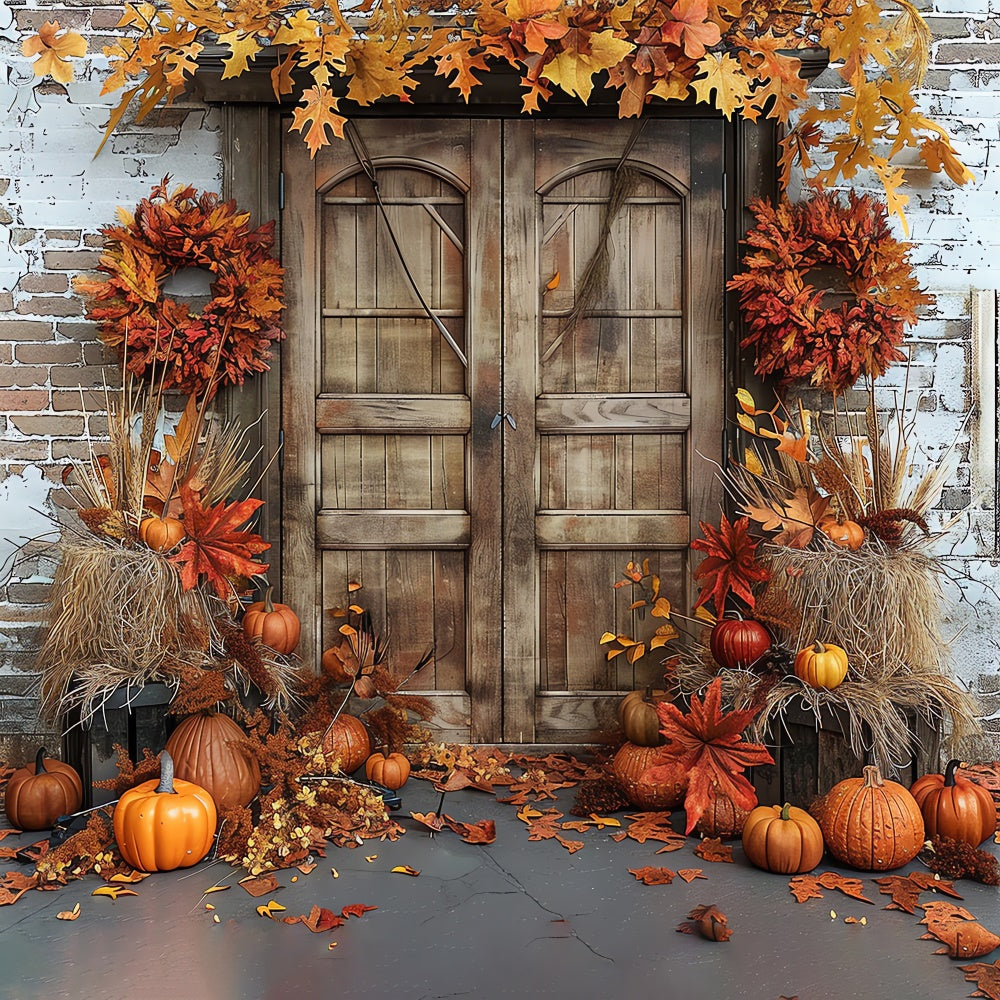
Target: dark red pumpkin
<point x="38" y="794"/>
<point x="739" y="642"/>
<point x="953" y="806"/>
<point x="723" y="818"/>
<point x="347" y="741"/>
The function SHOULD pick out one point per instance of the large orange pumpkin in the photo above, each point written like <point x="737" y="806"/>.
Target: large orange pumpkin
<point x="782" y="839"/>
<point x="347" y="741"/>
<point x="953" y="806"/>
<point x="38" y="794"/>
<point x="203" y="751"/>
<point x="640" y="723"/>
<point x="870" y="822"/>
<point x="160" y="826"/>
<point x="628" y="767"/>
<point x="277" y="625"/>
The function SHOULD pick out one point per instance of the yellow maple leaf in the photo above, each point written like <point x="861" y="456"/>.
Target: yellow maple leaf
<point x="54" y="50"/>
<point x="243" y="50"/>
<point x="318" y="111"/>
<point x="298" y="28"/>
<point x="375" y="72"/>
<point x="574" y="68"/>
<point x="939" y="155"/>
<point x="671" y="88"/>
<point x="723" y="74"/>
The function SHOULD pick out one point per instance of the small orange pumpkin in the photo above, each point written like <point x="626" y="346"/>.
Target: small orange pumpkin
<point x="844" y="534"/>
<point x="38" y="794"/>
<point x="782" y="839"/>
<point x="953" y="806"/>
<point x="628" y="767"/>
<point x="161" y="533"/>
<point x="347" y="741"/>
<point x="821" y="665"/>
<point x="640" y="723"/>
<point x="160" y="826"/>
<point x="276" y="625"/>
<point x="390" y="770"/>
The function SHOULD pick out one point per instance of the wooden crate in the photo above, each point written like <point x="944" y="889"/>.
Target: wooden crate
<point x="810" y="760"/>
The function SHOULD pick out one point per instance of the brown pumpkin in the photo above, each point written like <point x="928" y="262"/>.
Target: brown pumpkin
<point x="723" y="818"/>
<point x="782" y="839"/>
<point x="953" y="806"/>
<point x="738" y="642"/>
<point x="640" y="723"/>
<point x="38" y="794"/>
<point x="844" y="534"/>
<point x="204" y="752"/>
<point x="390" y="770"/>
<point x="870" y="822"/>
<point x="161" y="533"/>
<point x="628" y="766"/>
<point x="346" y="740"/>
<point x="276" y="625"/>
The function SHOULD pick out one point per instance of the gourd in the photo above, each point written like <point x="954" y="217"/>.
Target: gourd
<point x="821" y="665"/>
<point x="870" y="822"/>
<point x="161" y="533"/>
<point x="38" y="794"/>
<point x="738" y="642"/>
<point x="203" y="751"/>
<point x="276" y="625"/>
<point x="953" y="806"/>
<point x="628" y="766"/>
<point x="722" y="818"/>
<point x="844" y="534"/>
<point x="640" y="723"/>
<point x="782" y="839"/>
<point x="160" y="826"/>
<point x="390" y="770"/>
<point x="347" y="741"/>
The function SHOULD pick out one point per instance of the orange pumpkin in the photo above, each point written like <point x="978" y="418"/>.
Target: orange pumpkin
<point x="276" y="625"/>
<point x="203" y="751"/>
<point x="640" y="723"/>
<point x="821" y="665"/>
<point x="390" y="770"/>
<point x="628" y="767"/>
<point x="723" y="818"/>
<point x="953" y="806"/>
<point x="161" y="533"/>
<point x="782" y="839"/>
<point x="844" y="534"/>
<point x="160" y="826"/>
<point x="346" y="740"/>
<point x="38" y="794"/>
<point x="870" y="822"/>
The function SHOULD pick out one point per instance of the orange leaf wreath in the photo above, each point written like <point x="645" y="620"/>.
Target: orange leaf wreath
<point x="154" y="334"/>
<point x="795" y="334"/>
<point x="708" y="745"/>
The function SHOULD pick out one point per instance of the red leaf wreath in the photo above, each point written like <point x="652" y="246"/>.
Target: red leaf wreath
<point x="215" y="546"/>
<point x="708" y="744"/>
<point x="729" y="565"/>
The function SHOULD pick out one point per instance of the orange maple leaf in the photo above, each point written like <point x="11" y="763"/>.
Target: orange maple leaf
<point x="730" y="564"/>
<point x="690" y="28"/>
<point x="318" y="111"/>
<point x="722" y="74"/>
<point x="53" y="49"/>
<point x="216" y="547"/>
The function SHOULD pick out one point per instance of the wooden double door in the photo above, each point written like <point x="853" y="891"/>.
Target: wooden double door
<point x="486" y="474"/>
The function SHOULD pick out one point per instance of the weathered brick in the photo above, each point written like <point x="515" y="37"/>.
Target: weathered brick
<point x="24" y="329"/>
<point x="50" y="305"/>
<point x="77" y="451"/>
<point x="23" y="376"/>
<point x="86" y="375"/>
<point x="92" y="402"/>
<point x="28" y="593"/>
<point x="25" y="451"/>
<point x="84" y="332"/>
<point x="72" y="260"/>
<point x="48" y="426"/>
<point x="966" y="52"/>
<point x="64" y="235"/>
<point x="55" y="283"/>
<point x="6" y="301"/>
<point x="52" y="353"/>
<point x="24" y="400"/>
<point x="100" y="354"/>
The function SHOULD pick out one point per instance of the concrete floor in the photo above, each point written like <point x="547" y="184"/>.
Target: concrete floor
<point x="511" y="919"/>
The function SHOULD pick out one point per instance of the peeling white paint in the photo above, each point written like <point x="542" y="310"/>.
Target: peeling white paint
<point x="24" y="500"/>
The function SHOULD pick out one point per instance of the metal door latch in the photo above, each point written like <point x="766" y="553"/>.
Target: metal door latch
<point x="503" y="416"/>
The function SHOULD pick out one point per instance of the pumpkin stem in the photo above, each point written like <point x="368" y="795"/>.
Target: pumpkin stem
<point x="949" y="773"/>
<point x="40" y="761"/>
<point x="873" y="776"/>
<point x="784" y="811"/>
<point x="268" y="603"/>
<point x="818" y="647"/>
<point x="166" y="785"/>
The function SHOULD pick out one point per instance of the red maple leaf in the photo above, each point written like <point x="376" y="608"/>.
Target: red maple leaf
<point x="708" y="744"/>
<point x="730" y="564"/>
<point x="216" y="547"/>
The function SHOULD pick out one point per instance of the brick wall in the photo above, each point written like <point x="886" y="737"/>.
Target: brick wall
<point x="54" y="197"/>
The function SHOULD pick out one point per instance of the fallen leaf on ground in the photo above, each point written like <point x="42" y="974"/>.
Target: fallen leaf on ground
<point x="405" y="870"/>
<point x="269" y="909"/>
<point x="69" y="914"/>
<point x="545" y="826"/>
<point x="653" y="876"/>
<point x="986" y="977"/>
<point x="317" y="920"/>
<point x="129" y="878"/>
<point x="856" y="920"/>
<point x="805" y="887"/>
<point x="260" y="885"/>
<point x="533" y="786"/>
<point x="114" y="891"/>
<point x="713" y="849"/>
<point x="906" y="889"/>
<point x="216" y="888"/>
<point x="14" y="885"/>
<point x="958" y="930"/>
<point x="307" y="868"/>
<point x="708" y="921"/>
<point x="356" y="910"/>
<point x="690" y="874"/>
<point x="655" y="826"/>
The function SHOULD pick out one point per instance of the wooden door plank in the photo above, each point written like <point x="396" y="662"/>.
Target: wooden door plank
<point x="652" y="529"/>
<point x="369" y="413"/>
<point x="611" y="412"/>
<point x="392" y="529"/>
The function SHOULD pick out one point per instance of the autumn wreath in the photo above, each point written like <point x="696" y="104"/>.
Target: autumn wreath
<point x="785" y="290"/>
<point x="231" y="337"/>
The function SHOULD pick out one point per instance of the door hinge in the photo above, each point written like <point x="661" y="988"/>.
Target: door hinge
<point x="281" y="190"/>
